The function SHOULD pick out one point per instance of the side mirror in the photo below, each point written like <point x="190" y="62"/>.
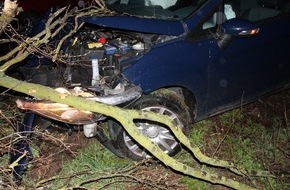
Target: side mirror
<point x="236" y="28"/>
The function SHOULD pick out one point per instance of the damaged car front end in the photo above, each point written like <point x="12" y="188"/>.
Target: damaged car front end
<point x="188" y="61"/>
<point x="92" y="66"/>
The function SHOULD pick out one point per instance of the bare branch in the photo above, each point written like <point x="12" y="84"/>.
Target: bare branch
<point x="10" y="10"/>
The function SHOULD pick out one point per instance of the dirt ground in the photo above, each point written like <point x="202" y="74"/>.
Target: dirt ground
<point x="51" y="155"/>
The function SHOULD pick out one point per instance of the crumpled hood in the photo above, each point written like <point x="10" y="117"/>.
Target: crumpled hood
<point x="147" y="25"/>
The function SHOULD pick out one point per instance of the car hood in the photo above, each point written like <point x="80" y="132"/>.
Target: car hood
<point x="147" y="25"/>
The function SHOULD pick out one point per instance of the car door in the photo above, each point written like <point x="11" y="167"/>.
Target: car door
<point x="251" y="66"/>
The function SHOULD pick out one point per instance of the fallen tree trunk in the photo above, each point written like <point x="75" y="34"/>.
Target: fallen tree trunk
<point x="126" y="118"/>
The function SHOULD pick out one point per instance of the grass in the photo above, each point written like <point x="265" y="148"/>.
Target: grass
<point x="92" y="163"/>
<point x="7" y="118"/>
<point x="249" y="142"/>
<point x="250" y="137"/>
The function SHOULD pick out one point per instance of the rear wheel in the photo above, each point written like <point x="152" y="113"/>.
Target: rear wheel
<point x="167" y="104"/>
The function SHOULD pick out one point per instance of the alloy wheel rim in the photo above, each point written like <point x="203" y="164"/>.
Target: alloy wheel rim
<point x="157" y="134"/>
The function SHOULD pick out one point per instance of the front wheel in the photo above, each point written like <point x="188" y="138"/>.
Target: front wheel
<point x="166" y="104"/>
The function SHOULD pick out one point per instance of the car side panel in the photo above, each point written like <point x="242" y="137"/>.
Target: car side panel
<point x="250" y="67"/>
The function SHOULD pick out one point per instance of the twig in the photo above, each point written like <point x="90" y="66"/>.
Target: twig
<point x="221" y="142"/>
<point x="285" y="115"/>
<point x="15" y="163"/>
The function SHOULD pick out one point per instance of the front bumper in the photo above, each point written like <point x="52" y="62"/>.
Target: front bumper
<point x="68" y="114"/>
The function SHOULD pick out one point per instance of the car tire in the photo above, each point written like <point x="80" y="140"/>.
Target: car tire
<point x="168" y="104"/>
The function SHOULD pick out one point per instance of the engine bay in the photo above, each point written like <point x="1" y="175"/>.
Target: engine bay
<point x="95" y="56"/>
<point x="90" y="67"/>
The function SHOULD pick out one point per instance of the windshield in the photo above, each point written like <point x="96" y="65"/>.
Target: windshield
<point x="161" y="9"/>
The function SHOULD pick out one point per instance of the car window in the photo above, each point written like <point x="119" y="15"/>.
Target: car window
<point x="163" y="3"/>
<point x="254" y="10"/>
<point x="257" y="10"/>
<point x="160" y="9"/>
<point x="219" y="17"/>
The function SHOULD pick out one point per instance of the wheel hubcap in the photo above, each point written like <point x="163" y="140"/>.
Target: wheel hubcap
<point x="152" y="132"/>
<point x="157" y="133"/>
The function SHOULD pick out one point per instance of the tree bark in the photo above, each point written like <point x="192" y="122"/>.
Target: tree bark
<point x="10" y="10"/>
<point x="126" y="118"/>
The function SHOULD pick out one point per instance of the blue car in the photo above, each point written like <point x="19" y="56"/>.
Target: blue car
<point x="188" y="59"/>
